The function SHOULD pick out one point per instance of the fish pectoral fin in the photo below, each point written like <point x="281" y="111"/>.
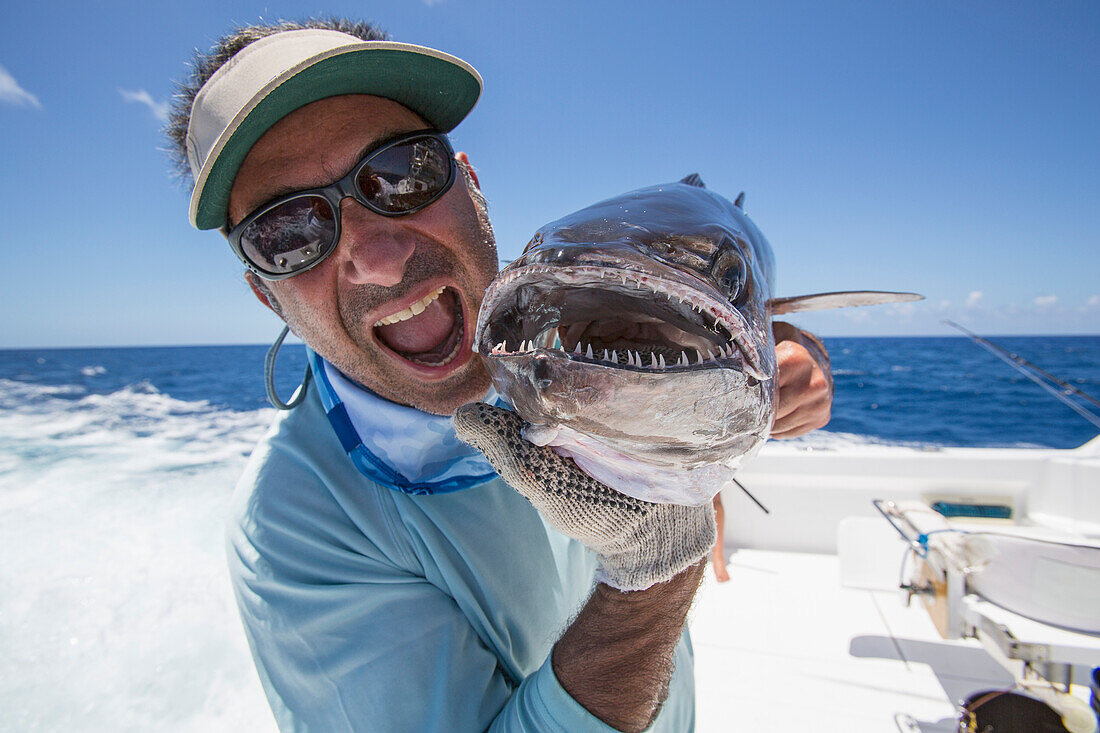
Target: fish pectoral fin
<point x="844" y="299"/>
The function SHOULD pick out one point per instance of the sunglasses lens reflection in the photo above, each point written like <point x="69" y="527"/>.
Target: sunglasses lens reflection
<point x="291" y="236"/>
<point x="406" y="176"/>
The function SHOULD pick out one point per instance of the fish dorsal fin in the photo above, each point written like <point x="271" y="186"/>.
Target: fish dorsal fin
<point x="693" y="179"/>
<point x="845" y="299"/>
<point x="740" y="202"/>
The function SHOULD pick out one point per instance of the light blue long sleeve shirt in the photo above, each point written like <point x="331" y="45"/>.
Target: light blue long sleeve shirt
<point x="368" y="609"/>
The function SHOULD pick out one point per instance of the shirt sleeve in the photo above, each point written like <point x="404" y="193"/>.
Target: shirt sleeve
<point x="347" y="638"/>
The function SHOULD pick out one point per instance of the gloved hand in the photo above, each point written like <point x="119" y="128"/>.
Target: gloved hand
<point x="637" y="543"/>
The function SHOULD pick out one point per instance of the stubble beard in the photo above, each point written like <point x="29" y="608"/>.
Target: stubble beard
<point x="377" y="371"/>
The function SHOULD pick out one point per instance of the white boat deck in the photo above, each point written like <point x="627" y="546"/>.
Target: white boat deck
<point x="783" y="647"/>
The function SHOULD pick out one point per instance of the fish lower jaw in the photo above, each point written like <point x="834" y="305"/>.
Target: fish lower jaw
<point x="728" y="356"/>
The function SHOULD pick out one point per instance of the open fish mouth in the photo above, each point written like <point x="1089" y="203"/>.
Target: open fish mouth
<point x="615" y="318"/>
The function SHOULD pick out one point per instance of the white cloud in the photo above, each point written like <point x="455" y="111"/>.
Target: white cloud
<point x="1093" y="301"/>
<point x="159" y="109"/>
<point x="974" y="298"/>
<point x="1045" y="301"/>
<point x="12" y="93"/>
<point x="856" y="315"/>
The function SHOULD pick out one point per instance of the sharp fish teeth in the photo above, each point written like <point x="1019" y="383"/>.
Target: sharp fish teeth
<point x="588" y="351"/>
<point x="661" y="360"/>
<point x="614" y="357"/>
<point x="683" y="359"/>
<point x="606" y="357"/>
<point x="653" y="360"/>
<point x="699" y="356"/>
<point x="629" y="358"/>
<point x="577" y="349"/>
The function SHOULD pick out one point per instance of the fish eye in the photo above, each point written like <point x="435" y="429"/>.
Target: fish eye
<point x="730" y="273"/>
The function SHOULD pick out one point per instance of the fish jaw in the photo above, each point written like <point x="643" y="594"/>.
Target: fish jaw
<point x="704" y="395"/>
<point x="525" y="304"/>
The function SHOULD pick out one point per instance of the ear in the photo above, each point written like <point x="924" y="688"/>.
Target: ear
<point x="260" y="292"/>
<point x="462" y="158"/>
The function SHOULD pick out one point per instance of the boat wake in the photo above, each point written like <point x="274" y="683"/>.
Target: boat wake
<point x="113" y="588"/>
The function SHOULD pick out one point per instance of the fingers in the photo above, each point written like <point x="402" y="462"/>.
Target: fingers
<point x="805" y="389"/>
<point x="718" y="553"/>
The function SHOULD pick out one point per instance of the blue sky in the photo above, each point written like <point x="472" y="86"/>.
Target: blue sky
<point x="949" y="148"/>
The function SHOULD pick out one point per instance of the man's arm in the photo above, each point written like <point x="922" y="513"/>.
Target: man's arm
<point x="615" y="659"/>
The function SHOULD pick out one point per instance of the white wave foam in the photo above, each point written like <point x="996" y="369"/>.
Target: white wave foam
<point x="826" y="440"/>
<point x="115" y="607"/>
<point x="92" y="371"/>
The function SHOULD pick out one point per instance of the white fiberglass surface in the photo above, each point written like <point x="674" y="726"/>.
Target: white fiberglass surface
<point x="783" y="647"/>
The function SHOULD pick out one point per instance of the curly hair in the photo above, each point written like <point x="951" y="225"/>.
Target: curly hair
<point x="203" y="66"/>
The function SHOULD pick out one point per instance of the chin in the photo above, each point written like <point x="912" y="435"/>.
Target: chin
<point x="441" y="398"/>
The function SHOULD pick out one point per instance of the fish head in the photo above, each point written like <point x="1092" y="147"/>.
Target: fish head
<point x="641" y="321"/>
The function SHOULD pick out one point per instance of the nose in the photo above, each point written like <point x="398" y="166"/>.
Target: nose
<point x="374" y="249"/>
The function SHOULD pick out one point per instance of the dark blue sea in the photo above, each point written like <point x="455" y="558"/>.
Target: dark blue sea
<point x="942" y="391"/>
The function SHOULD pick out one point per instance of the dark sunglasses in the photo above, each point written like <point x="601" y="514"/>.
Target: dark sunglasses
<point x="293" y="233"/>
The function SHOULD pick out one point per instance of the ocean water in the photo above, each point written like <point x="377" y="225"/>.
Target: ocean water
<point x="116" y="467"/>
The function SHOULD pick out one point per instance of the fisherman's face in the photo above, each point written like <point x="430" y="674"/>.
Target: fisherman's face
<point x="382" y="265"/>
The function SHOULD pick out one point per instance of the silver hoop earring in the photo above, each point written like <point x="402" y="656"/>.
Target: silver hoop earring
<point x="269" y="377"/>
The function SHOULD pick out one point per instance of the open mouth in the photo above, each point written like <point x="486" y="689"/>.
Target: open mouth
<point x="428" y="332"/>
<point x="622" y="319"/>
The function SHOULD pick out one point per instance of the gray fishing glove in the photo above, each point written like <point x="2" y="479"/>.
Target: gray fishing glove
<point x="637" y="543"/>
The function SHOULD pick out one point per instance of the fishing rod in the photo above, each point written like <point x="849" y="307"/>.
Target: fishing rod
<point x="1033" y="373"/>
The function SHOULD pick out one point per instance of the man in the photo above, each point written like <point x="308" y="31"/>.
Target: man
<point x="386" y="578"/>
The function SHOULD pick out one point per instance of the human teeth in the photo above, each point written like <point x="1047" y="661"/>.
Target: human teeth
<point x="413" y="310"/>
